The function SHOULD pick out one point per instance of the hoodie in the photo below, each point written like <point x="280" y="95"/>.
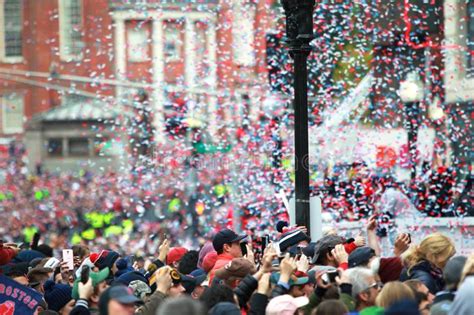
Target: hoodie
<point x="463" y="302"/>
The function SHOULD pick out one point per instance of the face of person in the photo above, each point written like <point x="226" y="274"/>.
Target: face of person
<point x="441" y="260"/>
<point x="424" y="289"/>
<point x="371" y="293"/>
<point x="198" y="290"/>
<point x="308" y="289"/>
<point x="297" y="291"/>
<point x="118" y="308"/>
<point x="176" y="290"/>
<point x="234" y="249"/>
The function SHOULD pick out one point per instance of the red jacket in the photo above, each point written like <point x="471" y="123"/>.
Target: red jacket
<point x="222" y="260"/>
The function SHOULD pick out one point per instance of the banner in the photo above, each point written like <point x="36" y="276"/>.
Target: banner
<point x="16" y="299"/>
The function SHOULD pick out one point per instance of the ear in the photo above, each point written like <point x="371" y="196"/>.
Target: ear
<point x="95" y="298"/>
<point x="226" y="248"/>
<point x="364" y="296"/>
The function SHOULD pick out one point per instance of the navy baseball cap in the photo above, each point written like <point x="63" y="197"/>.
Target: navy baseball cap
<point x="226" y="236"/>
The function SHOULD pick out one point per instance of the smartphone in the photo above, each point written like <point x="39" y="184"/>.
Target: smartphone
<point x="243" y="247"/>
<point x="265" y="241"/>
<point x="68" y="257"/>
<point x="330" y="277"/>
<point x="85" y="274"/>
<point x="409" y="237"/>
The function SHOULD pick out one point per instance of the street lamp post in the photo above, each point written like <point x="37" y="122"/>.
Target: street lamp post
<point x="299" y="33"/>
<point x="411" y="93"/>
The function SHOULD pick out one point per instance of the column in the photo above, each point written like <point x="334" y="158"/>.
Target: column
<point x="158" y="79"/>
<point x="212" y="62"/>
<point x="120" y="57"/>
<point x="190" y="56"/>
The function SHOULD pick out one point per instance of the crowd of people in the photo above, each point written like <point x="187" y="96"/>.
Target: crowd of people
<point x="231" y="274"/>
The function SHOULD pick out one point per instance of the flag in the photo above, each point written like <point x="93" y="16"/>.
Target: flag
<point x="16" y="299"/>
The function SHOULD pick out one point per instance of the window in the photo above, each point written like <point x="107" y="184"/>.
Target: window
<point x="12" y="113"/>
<point x="55" y="147"/>
<point x="70" y="29"/>
<point x="243" y="33"/>
<point x="79" y="147"/>
<point x="11" y="30"/>
<point x="173" y="45"/>
<point x="470" y="38"/>
<point x="138" y="38"/>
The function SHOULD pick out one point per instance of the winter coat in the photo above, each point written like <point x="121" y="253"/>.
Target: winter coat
<point x="245" y="289"/>
<point x="424" y="271"/>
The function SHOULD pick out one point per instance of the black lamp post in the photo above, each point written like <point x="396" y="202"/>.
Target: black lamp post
<point x="299" y="33"/>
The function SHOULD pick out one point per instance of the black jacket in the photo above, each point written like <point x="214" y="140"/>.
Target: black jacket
<point x="245" y="289"/>
<point x="258" y="304"/>
<point x="424" y="271"/>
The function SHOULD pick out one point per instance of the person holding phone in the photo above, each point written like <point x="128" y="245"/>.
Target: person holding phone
<point x="227" y="245"/>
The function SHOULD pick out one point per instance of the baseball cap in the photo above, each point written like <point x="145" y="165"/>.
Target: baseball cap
<point x="237" y="268"/>
<point x="360" y="256"/>
<point x="296" y="279"/>
<point x="119" y="293"/>
<point x="325" y="244"/>
<point x="199" y="276"/>
<point x="175" y="254"/>
<point x="97" y="277"/>
<point x="285" y="304"/>
<point x="226" y="236"/>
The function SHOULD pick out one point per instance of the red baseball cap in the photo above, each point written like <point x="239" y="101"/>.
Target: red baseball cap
<point x="175" y="254"/>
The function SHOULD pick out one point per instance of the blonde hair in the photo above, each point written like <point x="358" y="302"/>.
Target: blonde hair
<point x="435" y="244"/>
<point x="468" y="269"/>
<point x="393" y="292"/>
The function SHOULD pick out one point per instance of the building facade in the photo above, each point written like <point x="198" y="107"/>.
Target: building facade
<point x="183" y="54"/>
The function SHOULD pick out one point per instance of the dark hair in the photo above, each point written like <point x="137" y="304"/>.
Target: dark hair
<point x="215" y="294"/>
<point x="181" y="305"/>
<point x="188" y="262"/>
<point x="45" y="249"/>
<point x="80" y="251"/>
<point x="331" y="307"/>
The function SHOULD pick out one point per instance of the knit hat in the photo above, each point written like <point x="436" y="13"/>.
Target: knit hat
<point x="130" y="276"/>
<point x="104" y="259"/>
<point x="281" y="225"/>
<point x="360" y="256"/>
<point x="285" y="305"/>
<point x="390" y="269"/>
<point x="97" y="277"/>
<point x="207" y="248"/>
<point x="209" y="261"/>
<point x="57" y="295"/>
<point x="122" y="267"/>
<point x="292" y="238"/>
<point x="175" y="254"/>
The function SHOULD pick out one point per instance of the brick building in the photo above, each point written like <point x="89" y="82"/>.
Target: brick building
<point x="53" y="52"/>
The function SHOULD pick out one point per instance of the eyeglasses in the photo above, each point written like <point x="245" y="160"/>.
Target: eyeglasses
<point x="375" y="285"/>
